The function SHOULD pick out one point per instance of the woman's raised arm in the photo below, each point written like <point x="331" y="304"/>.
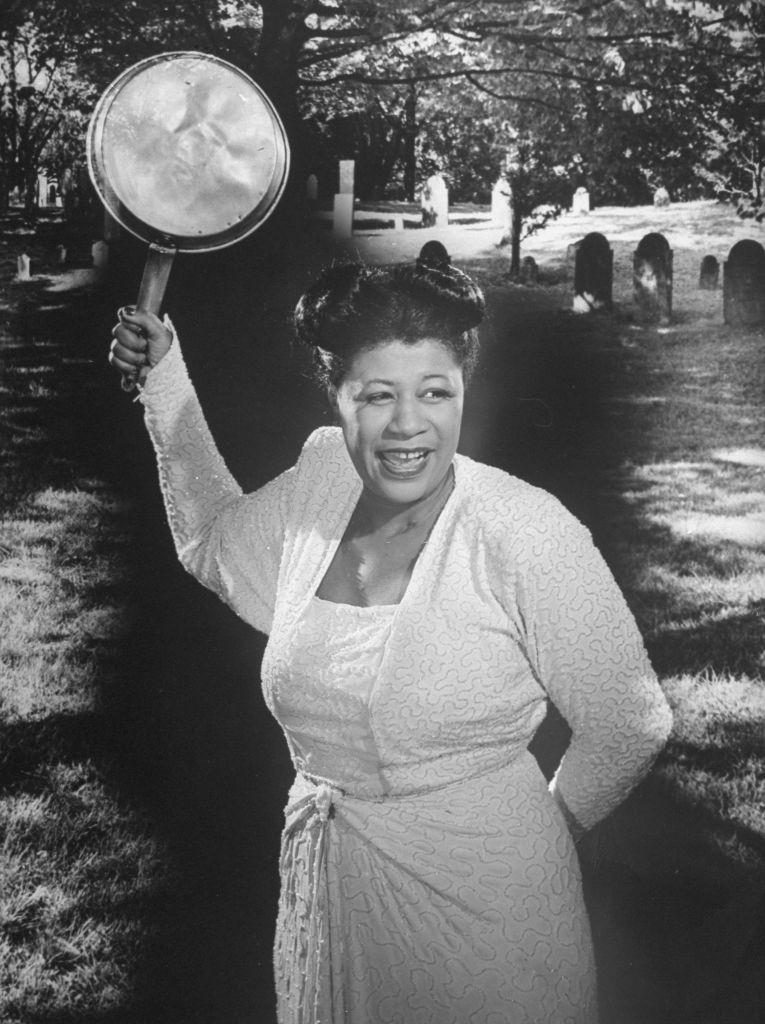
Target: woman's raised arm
<point x="229" y="541"/>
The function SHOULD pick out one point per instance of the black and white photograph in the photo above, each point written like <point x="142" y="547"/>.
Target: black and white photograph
<point x="382" y="512"/>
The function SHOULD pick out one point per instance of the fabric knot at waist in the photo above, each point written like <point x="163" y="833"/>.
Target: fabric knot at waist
<point x="311" y="801"/>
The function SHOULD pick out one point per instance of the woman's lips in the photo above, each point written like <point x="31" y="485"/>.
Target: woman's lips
<point x="404" y="461"/>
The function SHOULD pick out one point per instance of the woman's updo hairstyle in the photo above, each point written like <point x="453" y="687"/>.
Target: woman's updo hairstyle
<point x="353" y="307"/>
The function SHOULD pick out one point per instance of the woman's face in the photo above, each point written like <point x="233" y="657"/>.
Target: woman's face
<point x="400" y="407"/>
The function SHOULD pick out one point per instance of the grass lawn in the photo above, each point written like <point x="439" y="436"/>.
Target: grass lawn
<point x="140" y="780"/>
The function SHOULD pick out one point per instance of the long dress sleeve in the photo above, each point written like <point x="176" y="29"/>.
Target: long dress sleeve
<point x="587" y="653"/>
<point x="229" y="541"/>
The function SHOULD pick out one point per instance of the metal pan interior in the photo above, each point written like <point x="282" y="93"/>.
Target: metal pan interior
<point x="185" y="147"/>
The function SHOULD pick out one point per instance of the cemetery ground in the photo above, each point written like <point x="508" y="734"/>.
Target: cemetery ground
<point x="141" y="780"/>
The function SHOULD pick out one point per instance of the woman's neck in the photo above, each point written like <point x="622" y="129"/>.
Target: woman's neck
<point x="387" y="520"/>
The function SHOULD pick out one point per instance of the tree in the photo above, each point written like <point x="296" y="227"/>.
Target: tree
<point x="43" y="106"/>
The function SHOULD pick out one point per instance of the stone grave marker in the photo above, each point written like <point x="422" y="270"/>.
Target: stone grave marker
<point x="61" y="254"/>
<point x="434" y="254"/>
<point x="434" y="202"/>
<point x="744" y="284"/>
<point x="312" y="188"/>
<point x="100" y="253"/>
<point x="529" y="271"/>
<point x="652" y="277"/>
<point x="580" y="202"/>
<point x="342" y="215"/>
<point x="23" y="268"/>
<point x="709" y="274"/>
<point x="347" y="168"/>
<point x="593" y="274"/>
<point x="661" y="197"/>
<point x="342" y="209"/>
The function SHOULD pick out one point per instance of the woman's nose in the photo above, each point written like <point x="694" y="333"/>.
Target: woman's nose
<point x="407" y="418"/>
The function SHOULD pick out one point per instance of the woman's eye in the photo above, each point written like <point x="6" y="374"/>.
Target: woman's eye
<point x="437" y="394"/>
<point x="378" y="397"/>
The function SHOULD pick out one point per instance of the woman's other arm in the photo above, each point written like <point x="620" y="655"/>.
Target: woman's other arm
<point x="589" y="656"/>
<point x="229" y="541"/>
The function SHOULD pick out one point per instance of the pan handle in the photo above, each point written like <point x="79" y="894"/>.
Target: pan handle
<point x="159" y="262"/>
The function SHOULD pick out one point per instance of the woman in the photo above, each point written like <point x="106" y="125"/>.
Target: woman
<point x="421" y="608"/>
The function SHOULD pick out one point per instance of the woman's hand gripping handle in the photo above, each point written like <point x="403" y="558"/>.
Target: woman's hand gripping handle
<point x="140" y="341"/>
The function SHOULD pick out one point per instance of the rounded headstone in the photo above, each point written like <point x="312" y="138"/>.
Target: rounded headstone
<point x="434" y="202"/>
<point x="661" y="197"/>
<point x="709" y="274"/>
<point x="529" y="271"/>
<point x="652" y="278"/>
<point x="434" y="254"/>
<point x="744" y="285"/>
<point x="593" y="273"/>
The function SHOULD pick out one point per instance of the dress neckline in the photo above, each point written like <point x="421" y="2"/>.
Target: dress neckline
<point x="355" y="608"/>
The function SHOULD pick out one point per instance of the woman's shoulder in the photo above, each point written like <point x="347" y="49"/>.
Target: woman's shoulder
<point x="324" y="447"/>
<point x="506" y="507"/>
<point x="324" y="462"/>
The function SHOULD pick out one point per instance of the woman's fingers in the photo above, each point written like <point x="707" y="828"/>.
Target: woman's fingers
<point x="129" y="339"/>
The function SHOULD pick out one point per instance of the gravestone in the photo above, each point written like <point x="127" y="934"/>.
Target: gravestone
<point x="593" y="274"/>
<point x="342" y="208"/>
<point x="434" y="254"/>
<point x="529" y="271"/>
<point x="100" y="254"/>
<point x="661" y="197"/>
<point x="744" y="285"/>
<point x="61" y="254"/>
<point x="434" y="202"/>
<point x="709" y="274"/>
<point x="346" y="177"/>
<point x="652" y="277"/>
<point x="342" y="215"/>
<point x="312" y="188"/>
<point x="581" y="201"/>
<point x="42" y="190"/>
<point x="23" y="268"/>
<point x="501" y="194"/>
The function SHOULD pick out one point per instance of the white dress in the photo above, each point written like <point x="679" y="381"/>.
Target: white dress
<point x="428" y="874"/>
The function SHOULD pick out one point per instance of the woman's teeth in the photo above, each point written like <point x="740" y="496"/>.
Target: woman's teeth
<point x="404" y="458"/>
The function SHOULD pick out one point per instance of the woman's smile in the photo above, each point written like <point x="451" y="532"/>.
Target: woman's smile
<point x="404" y="461"/>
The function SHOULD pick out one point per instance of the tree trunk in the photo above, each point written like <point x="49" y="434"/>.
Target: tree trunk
<point x="516" y="224"/>
<point x="410" y="143"/>
<point x="276" y="70"/>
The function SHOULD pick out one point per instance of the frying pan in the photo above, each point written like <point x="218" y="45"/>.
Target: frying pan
<point x="187" y="153"/>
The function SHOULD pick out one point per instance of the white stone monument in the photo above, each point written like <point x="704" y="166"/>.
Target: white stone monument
<point x="23" y="271"/>
<point x="42" y="189"/>
<point x="434" y="202"/>
<point x="581" y="201"/>
<point x="347" y="169"/>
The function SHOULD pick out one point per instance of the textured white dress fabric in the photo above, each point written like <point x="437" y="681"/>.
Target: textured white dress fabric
<point x="427" y="872"/>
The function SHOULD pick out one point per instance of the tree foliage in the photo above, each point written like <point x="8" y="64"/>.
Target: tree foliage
<point x="622" y="95"/>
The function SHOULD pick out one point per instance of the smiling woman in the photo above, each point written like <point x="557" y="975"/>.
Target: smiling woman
<point x="421" y="609"/>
